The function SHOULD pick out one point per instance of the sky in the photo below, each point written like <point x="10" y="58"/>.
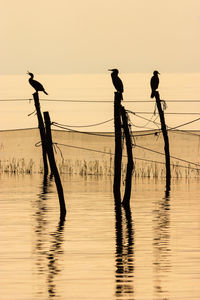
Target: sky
<point x="90" y="36"/>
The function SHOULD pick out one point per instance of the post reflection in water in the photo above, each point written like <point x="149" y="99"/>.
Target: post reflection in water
<point x="41" y="224"/>
<point x="124" y="253"/>
<point x="48" y="246"/>
<point x="161" y="247"/>
<point x="53" y="257"/>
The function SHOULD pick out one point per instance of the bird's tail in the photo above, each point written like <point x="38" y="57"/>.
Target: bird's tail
<point x="45" y="92"/>
<point x="152" y="94"/>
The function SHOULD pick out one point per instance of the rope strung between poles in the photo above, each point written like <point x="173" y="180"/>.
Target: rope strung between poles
<point x="174" y="157"/>
<point x="82" y="132"/>
<point x="99" y="101"/>
<point x="169" y="128"/>
<point x="148" y="120"/>
<point x="34" y="112"/>
<point x="38" y="144"/>
<point x="110" y="153"/>
<point x="61" y="154"/>
<point x="91" y="125"/>
<point x="190" y="122"/>
<point x="168" y="113"/>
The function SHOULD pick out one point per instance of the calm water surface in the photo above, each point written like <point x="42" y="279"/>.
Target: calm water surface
<point x="150" y="252"/>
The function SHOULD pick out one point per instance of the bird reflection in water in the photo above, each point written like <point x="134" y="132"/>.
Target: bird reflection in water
<point x="48" y="246"/>
<point x="124" y="253"/>
<point x="161" y="247"/>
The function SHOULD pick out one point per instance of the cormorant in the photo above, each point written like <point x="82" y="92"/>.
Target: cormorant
<point x="35" y="84"/>
<point x="117" y="81"/>
<point x="154" y="83"/>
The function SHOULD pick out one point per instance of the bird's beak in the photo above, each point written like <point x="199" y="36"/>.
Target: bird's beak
<point x="27" y="72"/>
<point x="110" y="70"/>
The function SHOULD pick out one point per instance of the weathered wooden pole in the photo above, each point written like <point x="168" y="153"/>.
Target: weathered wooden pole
<point x="166" y="140"/>
<point x="52" y="163"/>
<point x="118" y="148"/>
<point x="42" y="132"/>
<point x="130" y="165"/>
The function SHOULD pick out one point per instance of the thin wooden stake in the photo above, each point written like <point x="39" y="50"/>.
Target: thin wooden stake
<point x="130" y="165"/>
<point x="53" y="166"/>
<point x="166" y="140"/>
<point x="42" y="132"/>
<point x="118" y="148"/>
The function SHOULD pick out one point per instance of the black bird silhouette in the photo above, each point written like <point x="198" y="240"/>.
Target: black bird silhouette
<point x="117" y="81"/>
<point x="35" y="84"/>
<point x="154" y="83"/>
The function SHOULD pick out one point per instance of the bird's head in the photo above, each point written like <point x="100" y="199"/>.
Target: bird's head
<point x="114" y="71"/>
<point x="30" y="74"/>
<point x="156" y="73"/>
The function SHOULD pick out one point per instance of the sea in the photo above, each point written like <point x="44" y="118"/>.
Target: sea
<point x="152" y="251"/>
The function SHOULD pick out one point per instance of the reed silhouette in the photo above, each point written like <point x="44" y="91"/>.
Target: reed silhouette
<point x="118" y="84"/>
<point x="36" y="84"/>
<point x="154" y="83"/>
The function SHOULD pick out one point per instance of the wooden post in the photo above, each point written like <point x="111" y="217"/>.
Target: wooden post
<point x="118" y="149"/>
<point x="53" y="166"/>
<point x="42" y="132"/>
<point x="130" y="165"/>
<point x="166" y="140"/>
